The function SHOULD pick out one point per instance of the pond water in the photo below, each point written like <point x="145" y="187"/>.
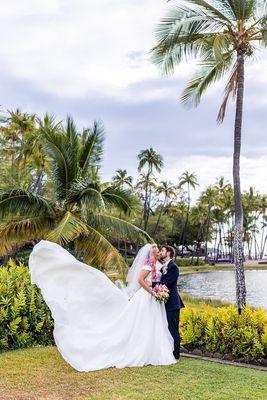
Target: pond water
<point x="221" y="285"/>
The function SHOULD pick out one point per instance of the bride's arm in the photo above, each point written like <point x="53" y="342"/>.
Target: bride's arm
<point x="142" y="281"/>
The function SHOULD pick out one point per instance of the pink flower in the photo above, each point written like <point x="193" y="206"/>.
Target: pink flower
<point x="161" y="293"/>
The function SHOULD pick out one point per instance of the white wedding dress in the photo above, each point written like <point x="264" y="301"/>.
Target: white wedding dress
<point x="96" y="325"/>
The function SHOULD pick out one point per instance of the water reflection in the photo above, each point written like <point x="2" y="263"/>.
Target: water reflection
<point x="221" y="285"/>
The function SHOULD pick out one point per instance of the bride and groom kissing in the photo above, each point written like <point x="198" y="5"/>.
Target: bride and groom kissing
<point x="166" y="272"/>
<point x="98" y="324"/>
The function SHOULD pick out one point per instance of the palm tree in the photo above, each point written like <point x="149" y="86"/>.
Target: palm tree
<point x="152" y="160"/>
<point x="263" y="207"/>
<point x="220" y="213"/>
<point x="80" y="214"/>
<point x="122" y="179"/>
<point x="144" y="186"/>
<point x="208" y="199"/>
<point x="168" y="190"/>
<point x="15" y="133"/>
<point x="191" y="181"/>
<point x="252" y="212"/>
<point x="222" y="35"/>
<point x="198" y="216"/>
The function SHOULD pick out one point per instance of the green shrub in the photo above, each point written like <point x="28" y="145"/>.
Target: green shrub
<point x="188" y="262"/>
<point x="130" y="261"/>
<point x="23" y="256"/>
<point x="24" y="317"/>
<point x="223" y="330"/>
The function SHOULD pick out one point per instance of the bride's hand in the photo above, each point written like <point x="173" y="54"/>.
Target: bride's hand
<point x="148" y="282"/>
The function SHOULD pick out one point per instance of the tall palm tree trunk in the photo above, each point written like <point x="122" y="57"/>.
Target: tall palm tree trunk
<point x="159" y="216"/>
<point x="38" y="184"/>
<point x="148" y="208"/>
<point x="145" y="208"/>
<point x="186" y="220"/>
<point x="263" y="247"/>
<point x="262" y="241"/>
<point x="238" y="231"/>
<point x="207" y="234"/>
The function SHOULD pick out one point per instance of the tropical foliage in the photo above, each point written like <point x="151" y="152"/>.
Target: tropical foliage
<point x="76" y="210"/>
<point x="25" y="319"/>
<point x="198" y="226"/>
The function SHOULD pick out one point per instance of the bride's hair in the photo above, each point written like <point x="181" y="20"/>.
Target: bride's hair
<point x="151" y="261"/>
<point x="145" y="256"/>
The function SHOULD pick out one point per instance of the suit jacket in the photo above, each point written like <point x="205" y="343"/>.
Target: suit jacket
<point x="170" y="279"/>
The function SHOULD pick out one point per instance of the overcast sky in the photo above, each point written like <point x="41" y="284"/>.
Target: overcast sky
<point x="90" y="59"/>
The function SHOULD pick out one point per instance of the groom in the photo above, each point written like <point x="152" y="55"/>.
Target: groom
<point x="170" y="274"/>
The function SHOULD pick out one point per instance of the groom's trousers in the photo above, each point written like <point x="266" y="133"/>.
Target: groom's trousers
<point x="173" y="318"/>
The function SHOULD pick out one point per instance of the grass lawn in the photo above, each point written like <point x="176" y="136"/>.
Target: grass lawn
<point x="217" y="267"/>
<point x="201" y="302"/>
<point x="40" y="373"/>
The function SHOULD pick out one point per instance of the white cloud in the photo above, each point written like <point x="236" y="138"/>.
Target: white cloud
<point x="208" y="169"/>
<point x="70" y="47"/>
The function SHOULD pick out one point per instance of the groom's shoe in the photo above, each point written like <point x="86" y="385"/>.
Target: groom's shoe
<point x="177" y="360"/>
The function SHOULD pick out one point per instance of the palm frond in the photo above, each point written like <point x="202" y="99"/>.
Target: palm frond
<point x="221" y="44"/>
<point x="116" y="227"/>
<point x="97" y="251"/>
<point x="92" y="147"/>
<point x="215" y="10"/>
<point x="19" y="201"/>
<point x="241" y="10"/>
<point x="230" y="89"/>
<point x="120" y="198"/>
<point x="260" y="25"/>
<point x="68" y="229"/>
<point x="72" y="134"/>
<point x="180" y="36"/>
<point x="264" y="37"/>
<point x="86" y="193"/>
<point x="60" y="147"/>
<point x="18" y="231"/>
<point x="211" y="71"/>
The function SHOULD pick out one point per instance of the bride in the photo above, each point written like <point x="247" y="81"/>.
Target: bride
<point x="97" y="324"/>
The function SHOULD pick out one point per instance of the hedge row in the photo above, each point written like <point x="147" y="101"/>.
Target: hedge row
<point x="222" y="330"/>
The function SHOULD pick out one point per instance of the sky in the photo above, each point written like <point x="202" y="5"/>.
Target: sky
<point x="90" y="59"/>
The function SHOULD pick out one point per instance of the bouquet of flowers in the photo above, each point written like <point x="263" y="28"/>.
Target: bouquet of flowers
<point x="161" y="293"/>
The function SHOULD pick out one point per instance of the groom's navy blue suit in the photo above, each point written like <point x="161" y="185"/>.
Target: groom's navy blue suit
<point x="169" y="278"/>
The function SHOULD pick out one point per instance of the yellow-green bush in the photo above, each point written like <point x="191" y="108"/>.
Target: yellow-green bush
<point x="223" y="330"/>
<point x="24" y="317"/>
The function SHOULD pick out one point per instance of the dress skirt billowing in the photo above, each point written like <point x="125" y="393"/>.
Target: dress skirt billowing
<point x="96" y="326"/>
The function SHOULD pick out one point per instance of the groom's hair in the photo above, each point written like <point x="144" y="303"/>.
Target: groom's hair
<point x="170" y="250"/>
